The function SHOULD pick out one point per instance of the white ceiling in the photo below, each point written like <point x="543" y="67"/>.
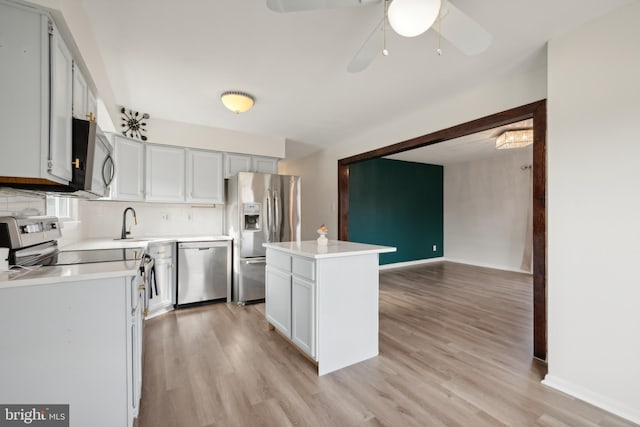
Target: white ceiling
<point x="172" y="59"/>
<point x="477" y="146"/>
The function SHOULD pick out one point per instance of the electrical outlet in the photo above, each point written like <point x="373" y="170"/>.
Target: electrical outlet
<point x="435" y="248"/>
<point x="165" y="216"/>
<point x="189" y="217"/>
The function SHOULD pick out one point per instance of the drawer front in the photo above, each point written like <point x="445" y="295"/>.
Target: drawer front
<point x="160" y="250"/>
<point x="304" y="268"/>
<point x="279" y="260"/>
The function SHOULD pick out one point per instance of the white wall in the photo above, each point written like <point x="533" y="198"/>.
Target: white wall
<point x="102" y="219"/>
<point x="486" y="206"/>
<point x="210" y="138"/>
<point x="319" y="170"/>
<point x="594" y="212"/>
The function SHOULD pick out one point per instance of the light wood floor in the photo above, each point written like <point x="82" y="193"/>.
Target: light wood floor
<point x="455" y="350"/>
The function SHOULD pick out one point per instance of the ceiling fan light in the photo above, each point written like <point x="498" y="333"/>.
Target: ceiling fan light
<point x="410" y="18"/>
<point x="238" y="102"/>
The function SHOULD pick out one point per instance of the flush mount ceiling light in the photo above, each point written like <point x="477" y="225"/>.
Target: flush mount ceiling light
<point x="410" y="18"/>
<point x="514" y="139"/>
<point x="238" y="102"/>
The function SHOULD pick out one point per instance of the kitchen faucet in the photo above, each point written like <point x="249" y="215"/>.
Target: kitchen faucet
<point x="125" y="233"/>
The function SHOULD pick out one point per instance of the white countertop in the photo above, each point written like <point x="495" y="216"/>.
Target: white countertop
<point x="333" y="249"/>
<point x="135" y="242"/>
<point x="67" y="273"/>
<point x="101" y="270"/>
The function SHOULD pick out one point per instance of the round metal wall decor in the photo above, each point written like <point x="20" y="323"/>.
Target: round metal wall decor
<point x="133" y="124"/>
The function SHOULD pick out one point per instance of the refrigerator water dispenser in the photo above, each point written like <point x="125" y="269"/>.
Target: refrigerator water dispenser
<point x="251" y="216"/>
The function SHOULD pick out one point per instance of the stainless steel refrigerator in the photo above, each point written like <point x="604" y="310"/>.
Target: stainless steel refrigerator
<point x="260" y="208"/>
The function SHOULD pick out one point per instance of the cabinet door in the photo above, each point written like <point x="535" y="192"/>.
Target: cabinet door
<point x="61" y="103"/>
<point x="24" y="92"/>
<point x="165" y="174"/>
<point x="92" y="105"/>
<point x="264" y="165"/>
<point x="234" y="163"/>
<point x="204" y="177"/>
<point x="303" y="315"/>
<point x="164" y="280"/>
<point x="129" y="164"/>
<point x="80" y="91"/>
<point x="278" y="300"/>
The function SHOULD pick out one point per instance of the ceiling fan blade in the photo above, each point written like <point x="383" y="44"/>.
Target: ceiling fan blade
<point x="284" y="6"/>
<point x="462" y="31"/>
<point x="369" y="50"/>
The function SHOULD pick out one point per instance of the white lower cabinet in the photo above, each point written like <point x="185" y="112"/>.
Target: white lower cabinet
<point x="278" y="290"/>
<point x="134" y="364"/>
<point x="303" y="314"/>
<point x="165" y="278"/>
<point x="291" y="298"/>
<point x="78" y="343"/>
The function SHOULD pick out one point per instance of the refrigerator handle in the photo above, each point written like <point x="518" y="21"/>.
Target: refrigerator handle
<point x="276" y="217"/>
<point x="267" y="222"/>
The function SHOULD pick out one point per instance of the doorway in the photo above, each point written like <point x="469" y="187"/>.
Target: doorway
<point x="535" y="111"/>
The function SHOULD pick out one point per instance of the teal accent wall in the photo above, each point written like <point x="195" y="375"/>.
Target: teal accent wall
<point x="397" y="203"/>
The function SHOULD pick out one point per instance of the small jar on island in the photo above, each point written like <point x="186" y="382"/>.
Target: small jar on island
<point x="322" y="231"/>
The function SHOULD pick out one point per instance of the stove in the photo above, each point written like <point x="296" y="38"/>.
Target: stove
<point x="33" y="241"/>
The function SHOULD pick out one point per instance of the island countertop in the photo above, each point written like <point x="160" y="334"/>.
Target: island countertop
<point x="333" y="249"/>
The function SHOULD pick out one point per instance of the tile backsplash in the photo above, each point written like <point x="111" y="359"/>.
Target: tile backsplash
<point x="15" y="203"/>
<point x="104" y="219"/>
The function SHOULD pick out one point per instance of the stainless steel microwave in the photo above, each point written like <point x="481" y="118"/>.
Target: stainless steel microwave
<point x="92" y="161"/>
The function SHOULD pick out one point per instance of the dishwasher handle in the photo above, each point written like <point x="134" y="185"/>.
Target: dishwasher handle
<point x="204" y="245"/>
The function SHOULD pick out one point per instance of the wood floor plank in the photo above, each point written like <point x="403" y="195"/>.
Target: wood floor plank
<point x="455" y="350"/>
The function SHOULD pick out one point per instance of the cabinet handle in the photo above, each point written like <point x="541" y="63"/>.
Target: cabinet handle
<point x="76" y="163"/>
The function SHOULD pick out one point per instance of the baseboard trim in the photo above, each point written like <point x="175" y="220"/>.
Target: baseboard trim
<point x="594" y="399"/>
<point x="492" y="266"/>
<point x="410" y="263"/>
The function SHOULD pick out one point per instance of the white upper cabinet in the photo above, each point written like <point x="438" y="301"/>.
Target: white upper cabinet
<point x="234" y="163"/>
<point x="264" y="165"/>
<point x="61" y="103"/>
<point x="129" y="166"/>
<point x="165" y="177"/>
<point x="85" y="104"/>
<point x="80" y="90"/>
<point x="92" y="104"/>
<point x="204" y="177"/>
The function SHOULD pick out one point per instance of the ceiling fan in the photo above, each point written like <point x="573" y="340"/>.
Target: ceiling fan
<point x="408" y="18"/>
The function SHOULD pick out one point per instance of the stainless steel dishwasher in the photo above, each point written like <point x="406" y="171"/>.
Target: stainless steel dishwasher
<point x="204" y="271"/>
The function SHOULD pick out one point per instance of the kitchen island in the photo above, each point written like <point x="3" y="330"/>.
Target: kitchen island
<point x="324" y="299"/>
